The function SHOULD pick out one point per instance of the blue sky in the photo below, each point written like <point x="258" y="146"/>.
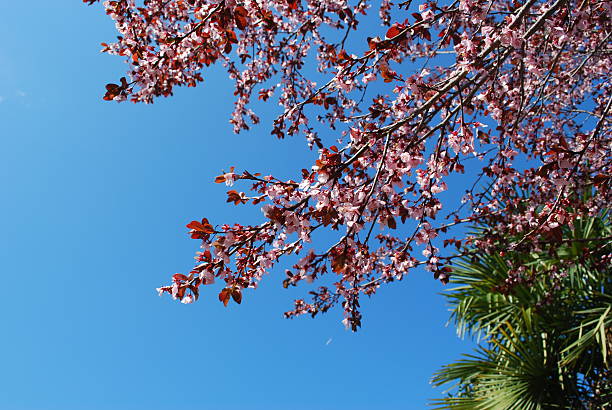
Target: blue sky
<point x="95" y="199"/>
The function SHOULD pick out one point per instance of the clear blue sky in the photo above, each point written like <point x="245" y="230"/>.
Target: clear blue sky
<point x="95" y="197"/>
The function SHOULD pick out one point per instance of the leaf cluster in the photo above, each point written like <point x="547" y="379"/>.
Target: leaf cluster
<point x="544" y="329"/>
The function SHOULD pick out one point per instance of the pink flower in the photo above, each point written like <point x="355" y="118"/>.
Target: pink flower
<point x="207" y="278"/>
<point x="510" y="37"/>
<point x="368" y="78"/>
<point x="230" y="177"/>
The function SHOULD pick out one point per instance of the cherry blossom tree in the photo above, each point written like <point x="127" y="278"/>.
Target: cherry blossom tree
<point x="514" y="93"/>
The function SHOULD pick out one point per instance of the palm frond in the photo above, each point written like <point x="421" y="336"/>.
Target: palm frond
<point x="535" y="352"/>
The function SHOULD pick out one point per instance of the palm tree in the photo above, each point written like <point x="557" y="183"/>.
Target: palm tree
<point x="545" y="330"/>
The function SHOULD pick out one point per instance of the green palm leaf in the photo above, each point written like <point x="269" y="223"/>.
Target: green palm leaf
<point x="535" y="351"/>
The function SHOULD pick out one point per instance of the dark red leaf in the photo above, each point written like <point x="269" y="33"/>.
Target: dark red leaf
<point x="339" y="263"/>
<point x="240" y="16"/>
<point x="179" y="277"/>
<point x="237" y="295"/>
<point x="224" y="296"/>
<point x="195" y="225"/>
<point x="393" y="32"/>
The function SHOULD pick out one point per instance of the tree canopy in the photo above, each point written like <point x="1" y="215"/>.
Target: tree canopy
<point x="513" y="94"/>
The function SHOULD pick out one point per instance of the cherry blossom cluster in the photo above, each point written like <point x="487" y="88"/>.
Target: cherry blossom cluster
<point x="513" y="95"/>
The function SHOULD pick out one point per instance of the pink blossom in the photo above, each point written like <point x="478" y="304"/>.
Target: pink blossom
<point x="395" y="114"/>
